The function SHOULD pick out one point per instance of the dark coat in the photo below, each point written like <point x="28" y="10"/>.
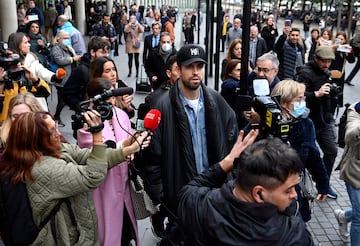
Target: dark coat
<point x="172" y="163"/>
<point x="75" y="88"/>
<point x="211" y="215"/>
<point x="287" y="54"/>
<point x="321" y="108"/>
<point x="268" y="36"/>
<point x="155" y="65"/>
<point x="148" y="47"/>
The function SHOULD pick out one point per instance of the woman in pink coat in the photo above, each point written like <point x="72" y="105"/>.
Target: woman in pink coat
<point x="116" y="219"/>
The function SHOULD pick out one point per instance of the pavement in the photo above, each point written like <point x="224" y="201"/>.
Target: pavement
<point x="323" y="225"/>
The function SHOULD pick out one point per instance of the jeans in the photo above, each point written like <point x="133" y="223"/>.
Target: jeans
<point x="354" y="214"/>
<point x="326" y="138"/>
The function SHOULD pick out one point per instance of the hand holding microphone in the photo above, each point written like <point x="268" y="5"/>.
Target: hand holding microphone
<point x="141" y="140"/>
<point x="59" y="75"/>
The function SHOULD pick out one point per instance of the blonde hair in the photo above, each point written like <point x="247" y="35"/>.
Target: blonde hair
<point x="25" y="98"/>
<point x="287" y="90"/>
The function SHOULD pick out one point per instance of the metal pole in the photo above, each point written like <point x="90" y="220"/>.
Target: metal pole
<point x="245" y="47"/>
<point x="211" y="52"/>
<point x="218" y="36"/>
<point x="206" y="39"/>
<point x="198" y="22"/>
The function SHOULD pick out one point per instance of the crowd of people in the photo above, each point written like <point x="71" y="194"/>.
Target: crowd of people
<point x="211" y="161"/>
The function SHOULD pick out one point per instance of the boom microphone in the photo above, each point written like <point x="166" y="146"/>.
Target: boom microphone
<point x="114" y="93"/>
<point x="152" y="119"/>
<point x="60" y="73"/>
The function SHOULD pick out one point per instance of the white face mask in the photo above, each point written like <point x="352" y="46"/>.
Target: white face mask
<point x="166" y="47"/>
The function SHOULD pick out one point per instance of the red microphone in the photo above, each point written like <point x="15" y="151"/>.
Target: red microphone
<point x="60" y="73"/>
<point x="152" y="120"/>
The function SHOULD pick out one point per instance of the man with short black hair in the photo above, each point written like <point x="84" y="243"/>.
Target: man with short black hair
<point x="197" y="130"/>
<point x="290" y="52"/>
<point x="106" y="31"/>
<point x="242" y="211"/>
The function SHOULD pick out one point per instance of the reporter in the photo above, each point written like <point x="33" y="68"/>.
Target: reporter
<point x="53" y="171"/>
<point x="116" y="219"/>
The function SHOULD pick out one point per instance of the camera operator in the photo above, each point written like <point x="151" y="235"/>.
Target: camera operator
<point x="321" y="98"/>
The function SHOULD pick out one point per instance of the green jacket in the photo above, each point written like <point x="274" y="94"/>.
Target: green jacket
<point x="75" y="175"/>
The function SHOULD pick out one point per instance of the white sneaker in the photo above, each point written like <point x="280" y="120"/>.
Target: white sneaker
<point x="343" y="224"/>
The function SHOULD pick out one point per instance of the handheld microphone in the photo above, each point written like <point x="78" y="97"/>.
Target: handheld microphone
<point x="114" y="93"/>
<point x="60" y="73"/>
<point x="152" y="120"/>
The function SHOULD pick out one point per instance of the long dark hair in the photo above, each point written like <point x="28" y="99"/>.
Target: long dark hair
<point x="29" y="140"/>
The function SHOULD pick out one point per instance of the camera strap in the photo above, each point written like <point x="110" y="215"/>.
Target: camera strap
<point x="96" y="129"/>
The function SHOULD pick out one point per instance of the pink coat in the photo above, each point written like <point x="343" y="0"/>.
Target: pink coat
<point x="113" y="195"/>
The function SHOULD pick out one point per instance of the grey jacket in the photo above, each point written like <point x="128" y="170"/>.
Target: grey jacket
<point x="350" y="161"/>
<point x="233" y="34"/>
<point x="62" y="56"/>
<point x="74" y="176"/>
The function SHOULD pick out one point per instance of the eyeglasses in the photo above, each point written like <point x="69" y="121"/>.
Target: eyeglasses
<point x="54" y="130"/>
<point x="264" y="70"/>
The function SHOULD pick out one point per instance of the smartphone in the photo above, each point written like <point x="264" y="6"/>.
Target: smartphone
<point x="33" y="17"/>
<point x="288" y="23"/>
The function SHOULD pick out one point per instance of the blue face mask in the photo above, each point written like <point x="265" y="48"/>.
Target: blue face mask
<point x="66" y="42"/>
<point x="299" y="108"/>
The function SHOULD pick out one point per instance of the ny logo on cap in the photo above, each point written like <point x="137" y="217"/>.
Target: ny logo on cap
<point x="194" y="52"/>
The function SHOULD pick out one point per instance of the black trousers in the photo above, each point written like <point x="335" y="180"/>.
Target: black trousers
<point x="353" y="71"/>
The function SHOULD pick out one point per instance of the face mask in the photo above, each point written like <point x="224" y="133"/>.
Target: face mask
<point x="299" y="108"/>
<point x="66" y="42"/>
<point x="166" y="47"/>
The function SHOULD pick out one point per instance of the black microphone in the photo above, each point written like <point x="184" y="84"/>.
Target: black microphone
<point x="114" y="93"/>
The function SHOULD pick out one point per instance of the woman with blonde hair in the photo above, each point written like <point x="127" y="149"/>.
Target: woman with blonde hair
<point x="21" y="103"/>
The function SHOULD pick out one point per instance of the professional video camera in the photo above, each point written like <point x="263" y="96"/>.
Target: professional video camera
<point x="272" y="122"/>
<point x="9" y="61"/>
<point x="100" y="104"/>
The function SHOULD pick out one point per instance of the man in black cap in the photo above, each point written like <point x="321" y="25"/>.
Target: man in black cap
<point x="321" y="98"/>
<point x="197" y="130"/>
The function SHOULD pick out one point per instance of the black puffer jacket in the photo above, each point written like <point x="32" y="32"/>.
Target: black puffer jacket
<point x="214" y="216"/>
<point x="287" y="54"/>
<point x="172" y="162"/>
<point x="321" y="108"/>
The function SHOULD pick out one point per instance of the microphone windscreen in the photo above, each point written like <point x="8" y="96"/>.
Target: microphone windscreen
<point x="152" y="119"/>
<point x="122" y="91"/>
<point x="60" y="73"/>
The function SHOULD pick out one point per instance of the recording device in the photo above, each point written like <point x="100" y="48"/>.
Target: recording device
<point x="272" y="123"/>
<point x="335" y="90"/>
<point x="9" y="61"/>
<point x="152" y="120"/>
<point x="100" y="105"/>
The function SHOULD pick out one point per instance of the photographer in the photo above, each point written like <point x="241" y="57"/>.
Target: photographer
<point x="53" y="171"/>
<point x="321" y="98"/>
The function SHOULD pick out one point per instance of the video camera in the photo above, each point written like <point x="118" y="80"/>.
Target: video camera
<point x="272" y="122"/>
<point x="9" y="61"/>
<point x="100" y="104"/>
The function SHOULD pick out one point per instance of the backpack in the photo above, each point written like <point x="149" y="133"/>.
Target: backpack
<point x="17" y="226"/>
<point x="341" y="127"/>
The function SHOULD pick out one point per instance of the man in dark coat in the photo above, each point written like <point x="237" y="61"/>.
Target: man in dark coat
<point x="197" y="130"/>
<point x="258" y="208"/>
<point x="321" y="101"/>
<point x="151" y="41"/>
<point x="155" y="64"/>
